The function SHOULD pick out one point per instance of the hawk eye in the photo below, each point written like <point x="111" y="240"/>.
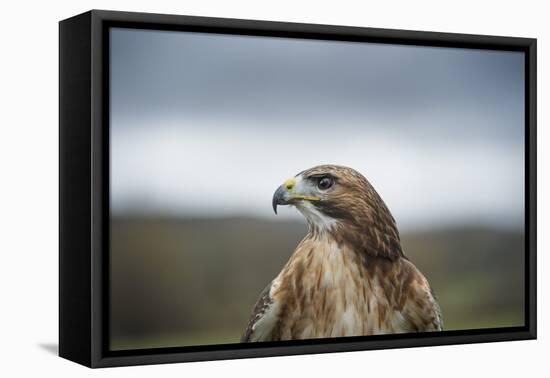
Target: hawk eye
<point x="325" y="182"/>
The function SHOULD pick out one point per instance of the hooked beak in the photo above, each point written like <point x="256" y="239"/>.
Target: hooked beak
<point x="280" y="197"/>
<point x="287" y="194"/>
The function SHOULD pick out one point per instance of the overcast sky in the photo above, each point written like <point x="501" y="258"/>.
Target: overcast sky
<point x="210" y="125"/>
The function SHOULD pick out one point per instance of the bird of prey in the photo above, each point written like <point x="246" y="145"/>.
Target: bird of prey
<point x="349" y="275"/>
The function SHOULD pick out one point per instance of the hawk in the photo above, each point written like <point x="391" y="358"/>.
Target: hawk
<point x="349" y="275"/>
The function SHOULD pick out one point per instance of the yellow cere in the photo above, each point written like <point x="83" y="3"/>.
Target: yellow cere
<point x="289" y="184"/>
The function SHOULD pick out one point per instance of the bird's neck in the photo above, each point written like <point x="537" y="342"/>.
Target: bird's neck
<point x="371" y="233"/>
<point x="370" y="239"/>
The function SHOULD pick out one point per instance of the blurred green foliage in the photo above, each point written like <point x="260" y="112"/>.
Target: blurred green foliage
<point x="179" y="282"/>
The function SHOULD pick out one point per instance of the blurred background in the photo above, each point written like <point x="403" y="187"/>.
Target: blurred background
<point x="204" y="128"/>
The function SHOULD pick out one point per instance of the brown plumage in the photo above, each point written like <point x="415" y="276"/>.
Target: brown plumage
<point x="349" y="275"/>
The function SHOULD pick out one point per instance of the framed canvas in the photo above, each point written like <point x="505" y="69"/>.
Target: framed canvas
<point x="236" y="188"/>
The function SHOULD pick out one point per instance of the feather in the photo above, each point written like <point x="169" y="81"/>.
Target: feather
<point x="263" y="318"/>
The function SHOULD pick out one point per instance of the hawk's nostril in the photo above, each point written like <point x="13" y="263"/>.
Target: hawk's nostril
<point x="289" y="184"/>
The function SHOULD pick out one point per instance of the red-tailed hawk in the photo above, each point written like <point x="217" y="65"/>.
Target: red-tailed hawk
<point x="348" y="276"/>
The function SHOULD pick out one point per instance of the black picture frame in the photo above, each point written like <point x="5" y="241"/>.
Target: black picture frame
<point x="84" y="187"/>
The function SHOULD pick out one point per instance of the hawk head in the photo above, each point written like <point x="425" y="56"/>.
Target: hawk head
<point x="340" y="202"/>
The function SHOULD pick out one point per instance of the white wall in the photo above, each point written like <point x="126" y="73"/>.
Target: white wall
<point x="28" y="164"/>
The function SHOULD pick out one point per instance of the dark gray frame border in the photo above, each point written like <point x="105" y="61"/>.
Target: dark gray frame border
<point x="84" y="167"/>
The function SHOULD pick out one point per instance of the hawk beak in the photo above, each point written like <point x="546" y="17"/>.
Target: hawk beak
<point x="280" y="197"/>
<point x="286" y="195"/>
